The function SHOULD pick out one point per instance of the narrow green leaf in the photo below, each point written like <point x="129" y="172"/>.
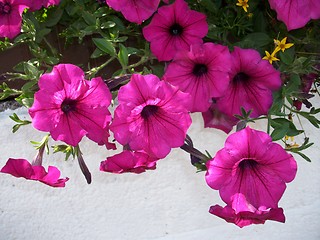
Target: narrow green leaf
<point x="105" y="46"/>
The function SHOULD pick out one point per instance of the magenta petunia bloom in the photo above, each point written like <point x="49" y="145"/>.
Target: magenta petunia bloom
<point x="252" y="165"/>
<point x="129" y="161"/>
<point x="69" y="107"/>
<point x="252" y="81"/>
<point x="203" y="72"/>
<point x="37" y="4"/>
<point x="151" y="116"/>
<point x="296" y="13"/>
<point x="22" y="168"/>
<point x="174" y="27"/>
<point x="135" y="10"/>
<point x="11" y="17"/>
<point x="246" y="213"/>
<point x="213" y="118"/>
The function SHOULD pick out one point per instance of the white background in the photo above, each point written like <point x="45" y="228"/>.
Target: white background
<point x="170" y="202"/>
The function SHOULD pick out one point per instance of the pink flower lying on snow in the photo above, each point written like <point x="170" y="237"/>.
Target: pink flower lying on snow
<point x="296" y="13"/>
<point x="129" y="161"/>
<point x="174" y="27"/>
<point x="252" y="81"/>
<point x="203" y="72"/>
<point x="37" y="4"/>
<point x="246" y="213"/>
<point x="135" y="10"/>
<point x="11" y="17"/>
<point x="69" y="107"/>
<point x="252" y="165"/>
<point x="151" y="116"/>
<point x="22" y="168"/>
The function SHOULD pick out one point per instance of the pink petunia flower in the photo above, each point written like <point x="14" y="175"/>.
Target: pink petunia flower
<point x="37" y="4"/>
<point x="252" y="165"/>
<point x="174" y="27"/>
<point x="246" y="213"/>
<point x="69" y="107"/>
<point x="22" y="168"/>
<point x="213" y="118"/>
<point x="151" y="116"/>
<point x="252" y="82"/>
<point x="11" y="17"/>
<point x="128" y="161"/>
<point x="296" y="13"/>
<point x="203" y="72"/>
<point x="135" y="10"/>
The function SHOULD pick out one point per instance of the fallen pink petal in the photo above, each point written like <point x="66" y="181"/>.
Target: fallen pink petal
<point x="22" y="168"/>
<point x="128" y="161"/>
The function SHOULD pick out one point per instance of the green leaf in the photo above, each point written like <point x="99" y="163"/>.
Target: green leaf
<point x="287" y="56"/>
<point x="304" y="156"/>
<point x="105" y="46"/>
<point x="123" y="55"/>
<point x="107" y="24"/>
<point x="97" y="53"/>
<point x="283" y="127"/>
<point x="293" y="84"/>
<point x="89" y="18"/>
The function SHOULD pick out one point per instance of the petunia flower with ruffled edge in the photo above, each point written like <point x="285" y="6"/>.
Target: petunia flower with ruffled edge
<point x="246" y="214"/>
<point x="296" y="13"/>
<point x="69" y="107"/>
<point x="135" y="10"/>
<point x="152" y="116"/>
<point x="11" y="17"/>
<point x="22" y="168"/>
<point x="128" y="161"/>
<point x="174" y="27"/>
<point x="37" y="4"/>
<point x="251" y="164"/>
<point x="252" y="81"/>
<point x="203" y="72"/>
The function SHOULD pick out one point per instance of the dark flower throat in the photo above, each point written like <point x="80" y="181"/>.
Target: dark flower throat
<point x="176" y="29"/>
<point x="199" y="69"/>
<point x="247" y="164"/>
<point x="240" y="77"/>
<point x="68" y="105"/>
<point x="5" y="8"/>
<point x="148" y="111"/>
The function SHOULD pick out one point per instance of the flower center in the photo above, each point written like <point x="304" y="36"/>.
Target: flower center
<point x="240" y="77"/>
<point x="5" y="8"/>
<point x="68" y="105"/>
<point x="247" y="163"/>
<point x="148" y="111"/>
<point x="176" y="29"/>
<point x="199" y="69"/>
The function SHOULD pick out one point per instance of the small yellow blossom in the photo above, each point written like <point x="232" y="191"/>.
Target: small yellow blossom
<point x="282" y="45"/>
<point x="243" y="4"/>
<point x="270" y="57"/>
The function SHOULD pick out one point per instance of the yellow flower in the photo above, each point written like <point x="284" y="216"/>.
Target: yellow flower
<point x="282" y="45"/>
<point x="270" y="57"/>
<point x="243" y="4"/>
